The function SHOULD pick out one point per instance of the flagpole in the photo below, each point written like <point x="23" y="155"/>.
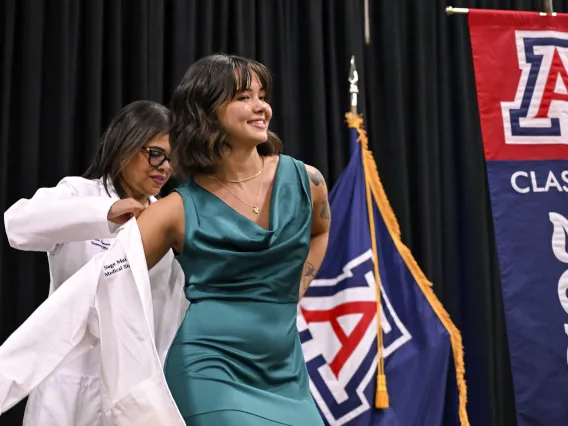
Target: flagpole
<point x="546" y="7"/>
<point x="381" y="396"/>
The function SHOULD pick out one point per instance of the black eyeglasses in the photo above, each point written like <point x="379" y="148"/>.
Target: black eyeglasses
<point x="157" y="157"/>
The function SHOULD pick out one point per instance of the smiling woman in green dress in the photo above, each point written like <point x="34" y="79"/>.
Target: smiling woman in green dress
<point x="250" y="227"/>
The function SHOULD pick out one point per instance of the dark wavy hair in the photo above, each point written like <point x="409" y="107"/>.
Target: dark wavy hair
<point x="128" y="132"/>
<point x="198" y="140"/>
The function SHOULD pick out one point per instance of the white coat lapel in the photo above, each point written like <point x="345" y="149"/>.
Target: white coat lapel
<point x="132" y="374"/>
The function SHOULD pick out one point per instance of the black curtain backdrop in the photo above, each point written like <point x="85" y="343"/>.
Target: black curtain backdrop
<point x="67" y="66"/>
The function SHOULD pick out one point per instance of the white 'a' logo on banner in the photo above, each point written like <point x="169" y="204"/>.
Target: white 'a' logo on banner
<point x="539" y="113"/>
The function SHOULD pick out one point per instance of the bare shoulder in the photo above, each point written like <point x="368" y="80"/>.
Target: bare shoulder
<point x="316" y="178"/>
<point x="162" y="226"/>
<point x="172" y="200"/>
<point x="172" y="204"/>
<point x="170" y="208"/>
<point x="321" y="215"/>
<point x="317" y="183"/>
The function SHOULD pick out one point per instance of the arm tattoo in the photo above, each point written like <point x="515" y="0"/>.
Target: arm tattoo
<point x="309" y="270"/>
<point x="308" y="275"/>
<point x="316" y="178"/>
<point x="325" y="214"/>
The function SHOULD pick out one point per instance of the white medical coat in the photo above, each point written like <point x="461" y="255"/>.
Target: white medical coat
<point x="108" y="301"/>
<point x="69" y="222"/>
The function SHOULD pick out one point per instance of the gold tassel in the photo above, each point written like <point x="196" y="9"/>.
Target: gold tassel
<point x="382" y="398"/>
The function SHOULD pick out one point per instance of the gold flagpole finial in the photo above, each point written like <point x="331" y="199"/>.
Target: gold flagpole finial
<point x="353" y="87"/>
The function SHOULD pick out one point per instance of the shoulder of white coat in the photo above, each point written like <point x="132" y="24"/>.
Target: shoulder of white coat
<point x="85" y="187"/>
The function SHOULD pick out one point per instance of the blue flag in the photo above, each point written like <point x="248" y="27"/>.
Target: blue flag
<point x="368" y="274"/>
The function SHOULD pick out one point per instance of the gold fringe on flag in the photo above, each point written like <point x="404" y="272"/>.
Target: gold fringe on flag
<point x="375" y="190"/>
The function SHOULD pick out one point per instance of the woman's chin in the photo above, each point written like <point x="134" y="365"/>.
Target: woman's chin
<point x="154" y="191"/>
<point x="258" y="135"/>
<point x="260" y="139"/>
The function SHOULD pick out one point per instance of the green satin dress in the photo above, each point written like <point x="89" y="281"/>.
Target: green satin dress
<point x="237" y="359"/>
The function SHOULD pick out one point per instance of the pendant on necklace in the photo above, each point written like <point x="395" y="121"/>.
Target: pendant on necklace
<point x="256" y="210"/>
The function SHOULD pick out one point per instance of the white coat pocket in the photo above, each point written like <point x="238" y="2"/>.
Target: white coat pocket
<point x="65" y="400"/>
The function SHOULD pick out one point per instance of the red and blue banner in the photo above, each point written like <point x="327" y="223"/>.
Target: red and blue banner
<point x="521" y="73"/>
<point x="379" y="347"/>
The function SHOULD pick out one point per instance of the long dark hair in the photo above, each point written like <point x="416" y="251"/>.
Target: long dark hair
<point x="135" y="125"/>
<point x="198" y="140"/>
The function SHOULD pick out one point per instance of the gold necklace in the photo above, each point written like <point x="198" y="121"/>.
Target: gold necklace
<point x="236" y="180"/>
<point x="255" y="208"/>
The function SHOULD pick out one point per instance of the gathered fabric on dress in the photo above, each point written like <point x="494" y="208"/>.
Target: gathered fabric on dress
<point x="237" y="357"/>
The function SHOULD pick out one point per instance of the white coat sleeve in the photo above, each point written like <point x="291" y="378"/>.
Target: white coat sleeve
<point x="55" y="216"/>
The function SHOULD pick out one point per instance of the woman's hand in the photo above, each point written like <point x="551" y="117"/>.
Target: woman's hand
<point x="121" y="211"/>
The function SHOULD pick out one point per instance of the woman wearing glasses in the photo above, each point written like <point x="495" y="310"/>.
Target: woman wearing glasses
<point x="76" y="220"/>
